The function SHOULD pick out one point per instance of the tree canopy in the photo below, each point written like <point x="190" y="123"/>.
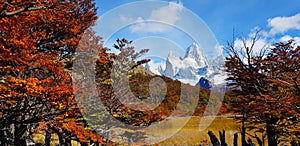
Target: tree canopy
<point x="37" y="42"/>
<point x="266" y="88"/>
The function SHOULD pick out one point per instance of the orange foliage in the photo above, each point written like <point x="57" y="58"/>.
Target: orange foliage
<point x="267" y="89"/>
<point x="38" y="40"/>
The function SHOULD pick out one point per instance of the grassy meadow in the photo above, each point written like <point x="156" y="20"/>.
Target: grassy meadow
<point x="189" y="134"/>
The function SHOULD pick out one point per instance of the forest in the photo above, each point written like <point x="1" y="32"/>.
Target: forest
<point x="38" y="95"/>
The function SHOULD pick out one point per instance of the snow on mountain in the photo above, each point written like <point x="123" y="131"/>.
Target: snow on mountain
<point x="192" y="67"/>
<point x="155" y="67"/>
<point x="188" y="66"/>
<point x="194" y="53"/>
<point x="217" y="69"/>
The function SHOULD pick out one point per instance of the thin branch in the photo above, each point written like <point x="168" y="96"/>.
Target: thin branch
<point x="5" y="13"/>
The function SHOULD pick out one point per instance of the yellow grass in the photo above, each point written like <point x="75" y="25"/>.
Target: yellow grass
<point x="190" y="134"/>
<point x="40" y="138"/>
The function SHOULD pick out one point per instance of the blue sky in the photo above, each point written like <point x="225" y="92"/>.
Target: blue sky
<point x="278" y="20"/>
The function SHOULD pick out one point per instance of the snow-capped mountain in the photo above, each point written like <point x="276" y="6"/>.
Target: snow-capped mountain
<point x="192" y="67"/>
<point x="186" y="67"/>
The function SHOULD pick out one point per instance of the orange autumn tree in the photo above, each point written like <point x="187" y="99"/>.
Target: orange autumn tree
<point x="266" y="90"/>
<point x="37" y="42"/>
<point x="72" y="125"/>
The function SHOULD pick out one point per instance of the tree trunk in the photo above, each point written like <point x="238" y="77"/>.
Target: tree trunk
<point x="271" y="133"/>
<point x="259" y="141"/>
<point x="243" y="132"/>
<point x="84" y="144"/>
<point x="250" y="143"/>
<point x="61" y="138"/>
<point x="96" y="144"/>
<point x="222" y="138"/>
<point x="67" y="142"/>
<point x="235" y="139"/>
<point x="19" y="132"/>
<point x="47" y="138"/>
<point x="4" y="136"/>
<point x="214" y="140"/>
<point x="295" y="143"/>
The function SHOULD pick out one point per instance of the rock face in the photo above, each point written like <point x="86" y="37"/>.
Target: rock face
<point x="193" y="68"/>
<point x="205" y="83"/>
<point x="194" y="53"/>
<point x="190" y="66"/>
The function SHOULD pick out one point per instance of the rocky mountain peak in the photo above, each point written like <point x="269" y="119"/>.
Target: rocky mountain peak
<point x="192" y="67"/>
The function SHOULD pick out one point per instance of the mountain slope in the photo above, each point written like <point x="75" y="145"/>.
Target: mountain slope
<point x="192" y="67"/>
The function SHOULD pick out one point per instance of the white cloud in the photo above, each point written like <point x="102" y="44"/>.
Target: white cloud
<point x="260" y="44"/>
<point x="263" y="42"/>
<point x="285" y="38"/>
<point x="126" y="20"/>
<point x="283" y="24"/>
<point x="169" y="14"/>
<point x="219" y="50"/>
<point x="288" y="37"/>
<point x="297" y="41"/>
<point x="261" y="33"/>
<point x="158" y="19"/>
<point x="266" y="38"/>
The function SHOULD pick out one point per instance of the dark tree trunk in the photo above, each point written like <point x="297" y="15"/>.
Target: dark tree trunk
<point x="259" y="141"/>
<point x="67" y="142"/>
<point x="243" y="132"/>
<point x="271" y="133"/>
<point x="63" y="139"/>
<point x="222" y="138"/>
<point x="295" y="143"/>
<point x="5" y="135"/>
<point x="19" y="132"/>
<point x="84" y="144"/>
<point x="235" y="140"/>
<point x="2" y="136"/>
<point x="95" y="143"/>
<point x="250" y="143"/>
<point x="60" y="138"/>
<point x="47" y="138"/>
<point x="214" y="140"/>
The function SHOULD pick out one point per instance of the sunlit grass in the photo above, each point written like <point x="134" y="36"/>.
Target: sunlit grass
<point x="191" y="135"/>
<point x="40" y="138"/>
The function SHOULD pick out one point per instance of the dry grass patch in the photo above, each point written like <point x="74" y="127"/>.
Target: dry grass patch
<point x="190" y="134"/>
